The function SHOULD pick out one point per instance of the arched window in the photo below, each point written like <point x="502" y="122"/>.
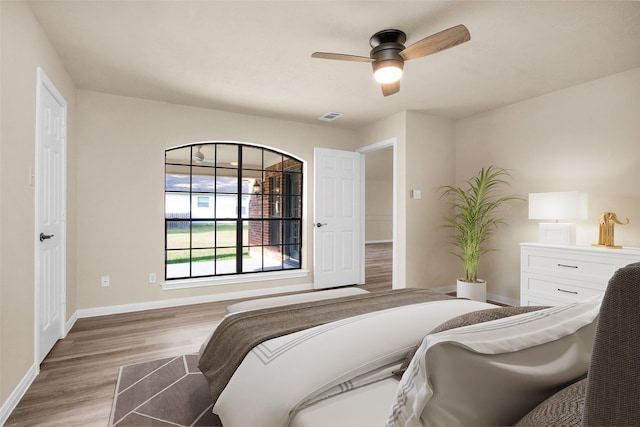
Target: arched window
<point x="231" y="209"/>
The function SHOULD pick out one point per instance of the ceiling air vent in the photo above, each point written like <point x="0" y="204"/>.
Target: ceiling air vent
<point x="329" y="117"/>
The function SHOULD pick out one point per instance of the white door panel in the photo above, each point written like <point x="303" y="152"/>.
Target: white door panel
<point x="337" y="216"/>
<point x="50" y="215"/>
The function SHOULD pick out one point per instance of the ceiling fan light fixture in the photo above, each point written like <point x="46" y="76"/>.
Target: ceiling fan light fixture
<point x="387" y="71"/>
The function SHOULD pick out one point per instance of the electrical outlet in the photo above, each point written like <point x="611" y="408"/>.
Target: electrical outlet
<point x="152" y="278"/>
<point x="104" y="280"/>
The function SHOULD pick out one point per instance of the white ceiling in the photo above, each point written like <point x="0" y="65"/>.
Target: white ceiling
<point x="255" y="56"/>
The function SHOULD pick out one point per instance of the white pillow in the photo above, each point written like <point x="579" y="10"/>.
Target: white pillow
<point x="493" y="373"/>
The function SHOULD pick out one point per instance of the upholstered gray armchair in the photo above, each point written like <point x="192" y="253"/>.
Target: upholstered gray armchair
<point x="613" y="389"/>
<point x="610" y="395"/>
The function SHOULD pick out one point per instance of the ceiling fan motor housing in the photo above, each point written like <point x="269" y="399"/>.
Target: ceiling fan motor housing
<point x="387" y="36"/>
<point x="387" y="55"/>
<point x="387" y="45"/>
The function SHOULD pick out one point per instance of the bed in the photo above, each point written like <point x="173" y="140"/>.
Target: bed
<point x="370" y="359"/>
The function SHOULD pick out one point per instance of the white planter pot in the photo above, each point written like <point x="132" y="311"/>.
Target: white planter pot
<point x="472" y="291"/>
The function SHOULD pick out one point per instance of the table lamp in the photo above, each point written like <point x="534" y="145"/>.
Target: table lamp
<point x="558" y="206"/>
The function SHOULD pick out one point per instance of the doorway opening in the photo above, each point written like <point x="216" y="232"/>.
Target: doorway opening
<point x="380" y="214"/>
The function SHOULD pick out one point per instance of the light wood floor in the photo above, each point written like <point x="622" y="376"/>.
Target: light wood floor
<point x="77" y="379"/>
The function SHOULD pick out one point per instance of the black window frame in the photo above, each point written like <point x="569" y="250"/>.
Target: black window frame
<point x="277" y="238"/>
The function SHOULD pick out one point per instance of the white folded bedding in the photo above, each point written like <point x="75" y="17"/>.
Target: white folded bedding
<point x="285" y="374"/>
<point x="366" y="406"/>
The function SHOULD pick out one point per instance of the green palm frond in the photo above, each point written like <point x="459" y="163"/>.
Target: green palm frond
<point x="473" y="217"/>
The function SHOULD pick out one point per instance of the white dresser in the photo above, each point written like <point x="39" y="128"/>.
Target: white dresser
<point x="555" y="275"/>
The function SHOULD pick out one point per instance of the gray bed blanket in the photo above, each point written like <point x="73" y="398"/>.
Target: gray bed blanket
<point x="237" y="334"/>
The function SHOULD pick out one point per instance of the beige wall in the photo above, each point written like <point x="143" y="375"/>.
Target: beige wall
<point x="121" y="188"/>
<point x="430" y="163"/>
<point x="586" y="138"/>
<point x="378" y="219"/>
<point x="24" y="48"/>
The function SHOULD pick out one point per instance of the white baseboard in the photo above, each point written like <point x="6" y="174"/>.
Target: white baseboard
<point x="503" y="300"/>
<point x="69" y="324"/>
<point x="492" y="297"/>
<point x="445" y="289"/>
<point x="17" y="393"/>
<point x="176" y="302"/>
<point x="378" y="241"/>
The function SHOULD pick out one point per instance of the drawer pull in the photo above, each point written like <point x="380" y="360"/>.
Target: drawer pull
<point x="567" y="266"/>
<point x="567" y="292"/>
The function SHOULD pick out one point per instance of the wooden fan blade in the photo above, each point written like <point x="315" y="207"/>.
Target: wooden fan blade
<point x="436" y="42"/>
<point x="341" y="57"/>
<point x="390" y="88"/>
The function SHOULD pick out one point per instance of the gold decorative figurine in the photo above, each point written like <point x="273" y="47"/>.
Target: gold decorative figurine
<point x="605" y="236"/>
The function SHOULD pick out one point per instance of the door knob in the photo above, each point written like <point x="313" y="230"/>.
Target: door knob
<point x="320" y="224"/>
<point x="44" y="237"/>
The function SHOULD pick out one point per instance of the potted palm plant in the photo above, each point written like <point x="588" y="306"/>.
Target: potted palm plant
<point x="474" y="218"/>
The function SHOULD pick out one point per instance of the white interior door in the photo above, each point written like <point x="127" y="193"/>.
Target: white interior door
<point x="50" y="215"/>
<point x="337" y="218"/>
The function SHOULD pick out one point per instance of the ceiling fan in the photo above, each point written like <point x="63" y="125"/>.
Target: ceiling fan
<point x="198" y="156"/>
<point x="388" y="53"/>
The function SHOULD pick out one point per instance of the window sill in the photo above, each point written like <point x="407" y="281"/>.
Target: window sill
<point x="232" y="279"/>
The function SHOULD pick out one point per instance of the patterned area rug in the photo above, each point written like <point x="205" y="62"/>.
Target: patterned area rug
<point x="164" y="392"/>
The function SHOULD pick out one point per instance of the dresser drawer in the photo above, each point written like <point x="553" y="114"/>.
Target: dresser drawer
<point x="531" y="300"/>
<point x="573" y="265"/>
<point x="558" y="289"/>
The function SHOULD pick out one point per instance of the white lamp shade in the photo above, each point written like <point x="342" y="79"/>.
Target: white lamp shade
<point x="559" y="205"/>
